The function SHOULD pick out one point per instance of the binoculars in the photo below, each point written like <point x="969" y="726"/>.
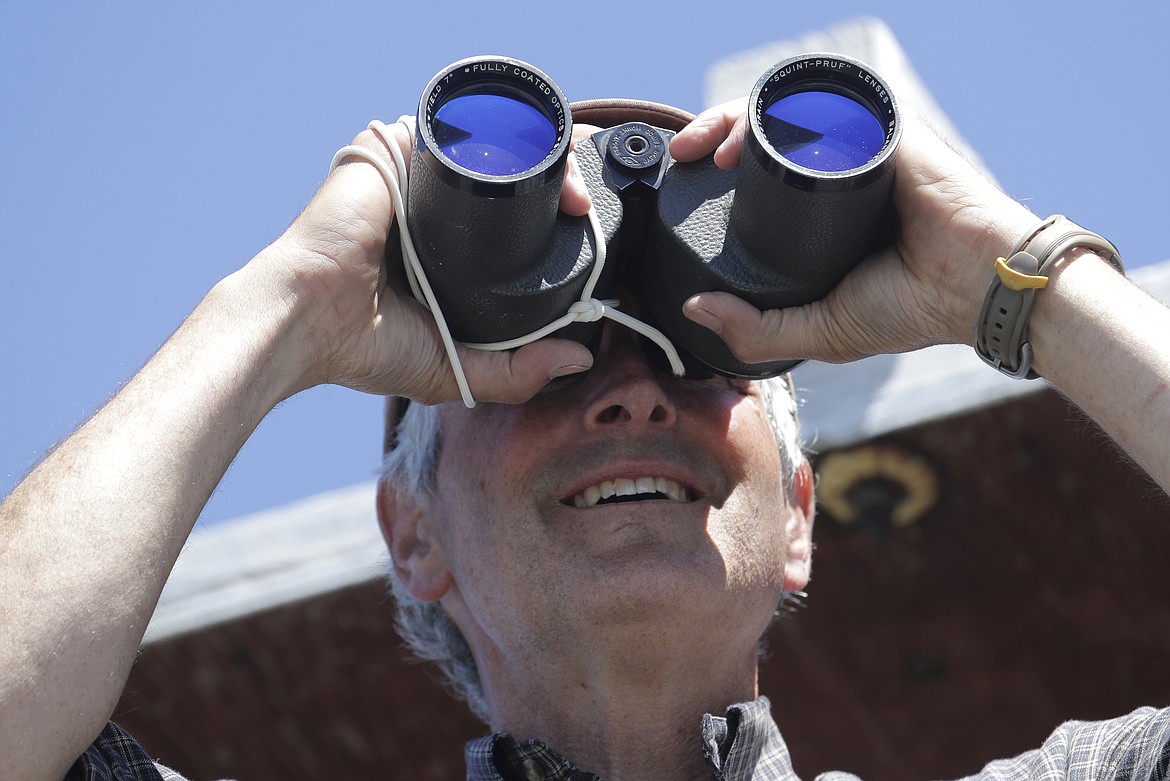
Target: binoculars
<point x="808" y="202"/>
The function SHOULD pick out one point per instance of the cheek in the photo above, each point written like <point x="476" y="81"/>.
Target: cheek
<point x="492" y="542"/>
<point x="485" y="524"/>
<point x="752" y="530"/>
<point x="476" y="550"/>
<point x="753" y="444"/>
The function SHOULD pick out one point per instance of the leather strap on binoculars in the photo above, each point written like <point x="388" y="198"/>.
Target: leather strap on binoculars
<point x="607" y="112"/>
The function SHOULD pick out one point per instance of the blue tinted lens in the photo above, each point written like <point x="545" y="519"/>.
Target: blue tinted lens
<point x="493" y="134"/>
<point x="823" y="131"/>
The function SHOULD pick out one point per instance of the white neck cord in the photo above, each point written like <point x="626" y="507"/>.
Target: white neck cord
<point x="587" y="310"/>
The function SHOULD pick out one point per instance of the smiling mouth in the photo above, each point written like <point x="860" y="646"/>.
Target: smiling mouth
<point x="625" y="489"/>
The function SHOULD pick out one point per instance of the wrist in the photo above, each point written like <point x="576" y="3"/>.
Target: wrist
<point x="1022" y="277"/>
<point x="999" y="233"/>
<point x="264" y="309"/>
<point x="1070" y="307"/>
<point x="320" y="310"/>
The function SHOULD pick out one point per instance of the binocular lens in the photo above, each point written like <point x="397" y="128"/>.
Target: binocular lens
<point x="491" y="144"/>
<point x="823" y="131"/>
<point x="492" y="133"/>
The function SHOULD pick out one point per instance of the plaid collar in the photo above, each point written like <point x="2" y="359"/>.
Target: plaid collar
<point x="744" y="745"/>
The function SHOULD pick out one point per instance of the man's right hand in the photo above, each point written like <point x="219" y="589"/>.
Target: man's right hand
<point x="353" y="329"/>
<point x="924" y="289"/>
<point x="1089" y="326"/>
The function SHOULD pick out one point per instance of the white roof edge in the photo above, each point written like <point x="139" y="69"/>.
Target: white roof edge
<point x="243" y="566"/>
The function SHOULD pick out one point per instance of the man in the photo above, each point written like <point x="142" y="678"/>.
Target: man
<point x="618" y="635"/>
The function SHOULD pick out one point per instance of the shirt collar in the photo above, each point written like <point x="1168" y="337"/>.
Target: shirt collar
<point x="743" y="745"/>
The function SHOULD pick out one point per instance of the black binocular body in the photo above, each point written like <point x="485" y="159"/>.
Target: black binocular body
<point x="808" y="202"/>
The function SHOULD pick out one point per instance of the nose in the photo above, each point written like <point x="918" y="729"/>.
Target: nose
<point x="625" y="389"/>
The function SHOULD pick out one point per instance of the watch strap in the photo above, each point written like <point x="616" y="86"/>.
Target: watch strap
<point x="1001" y="332"/>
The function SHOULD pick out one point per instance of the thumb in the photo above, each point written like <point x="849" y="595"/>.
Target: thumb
<point x="756" y="336"/>
<point x="514" y="376"/>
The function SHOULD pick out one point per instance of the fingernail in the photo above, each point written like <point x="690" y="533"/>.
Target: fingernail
<point x="702" y="316"/>
<point x="567" y="369"/>
<point x="579" y="182"/>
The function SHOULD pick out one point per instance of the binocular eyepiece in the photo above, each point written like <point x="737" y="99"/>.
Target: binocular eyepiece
<point x="808" y="202"/>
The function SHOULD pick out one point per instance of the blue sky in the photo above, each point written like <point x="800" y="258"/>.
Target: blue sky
<point x="149" y="149"/>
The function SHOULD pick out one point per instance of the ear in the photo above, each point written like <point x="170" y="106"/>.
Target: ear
<point x="415" y="552"/>
<point x="799" y="526"/>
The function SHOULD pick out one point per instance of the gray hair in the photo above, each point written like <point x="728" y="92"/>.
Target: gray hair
<point x="411" y="469"/>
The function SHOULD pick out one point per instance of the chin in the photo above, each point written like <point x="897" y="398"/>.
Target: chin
<point x="657" y="584"/>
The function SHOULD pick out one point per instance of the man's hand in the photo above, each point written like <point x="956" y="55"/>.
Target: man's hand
<point x="1089" y="327"/>
<point x="358" y="331"/>
<point x="926" y="289"/>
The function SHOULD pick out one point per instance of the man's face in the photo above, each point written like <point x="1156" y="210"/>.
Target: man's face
<point x="535" y="545"/>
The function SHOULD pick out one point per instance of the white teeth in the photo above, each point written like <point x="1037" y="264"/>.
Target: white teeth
<point x="592" y="494"/>
<point x="625" y="486"/>
<point x="671" y="489"/>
